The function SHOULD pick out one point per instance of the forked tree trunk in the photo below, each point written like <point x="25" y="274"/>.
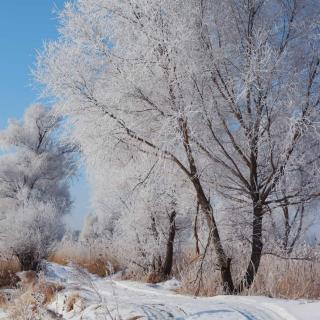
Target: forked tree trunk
<point x="256" y="250"/>
<point x="168" y="262"/>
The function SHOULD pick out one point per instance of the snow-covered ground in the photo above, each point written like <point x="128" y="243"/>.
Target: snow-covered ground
<point x="114" y="299"/>
<point x="110" y="299"/>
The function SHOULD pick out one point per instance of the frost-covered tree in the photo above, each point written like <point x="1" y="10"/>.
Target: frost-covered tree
<point x="90" y="229"/>
<point x="31" y="231"/>
<point x="227" y="91"/>
<point x="141" y="217"/>
<point x="34" y="192"/>
<point x="155" y="224"/>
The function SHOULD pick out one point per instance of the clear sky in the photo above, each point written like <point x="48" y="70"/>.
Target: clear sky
<point x="24" y="26"/>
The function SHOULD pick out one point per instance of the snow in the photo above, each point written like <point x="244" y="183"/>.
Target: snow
<point x="102" y="298"/>
<point x="112" y="299"/>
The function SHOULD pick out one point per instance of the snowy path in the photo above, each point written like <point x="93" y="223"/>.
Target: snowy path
<point x="108" y="299"/>
<point x="155" y="302"/>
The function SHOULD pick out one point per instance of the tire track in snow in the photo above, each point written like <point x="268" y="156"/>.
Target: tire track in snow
<point x="131" y="299"/>
<point x="217" y="308"/>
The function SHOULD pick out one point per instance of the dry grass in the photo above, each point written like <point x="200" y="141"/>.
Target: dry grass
<point x="9" y="266"/>
<point x="193" y="282"/>
<point x="34" y="294"/>
<point x="3" y="301"/>
<point x="94" y="261"/>
<point x="24" y="307"/>
<point x="37" y="285"/>
<point x="27" y="279"/>
<point x="154" y="277"/>
<point x="279" y="278"/>
<point x="292" y="279"/>
<point x="71" y="301"/>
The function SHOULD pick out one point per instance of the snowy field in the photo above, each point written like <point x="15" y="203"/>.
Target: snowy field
<point x="113" y="299"/>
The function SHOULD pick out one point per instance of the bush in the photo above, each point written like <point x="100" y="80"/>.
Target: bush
<point x="32" y="233"/>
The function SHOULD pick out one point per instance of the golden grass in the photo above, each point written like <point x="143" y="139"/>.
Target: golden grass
<point x="276" y="277"/>
<point x="3" y="301"/>
<point x="34" y="294"/>
<point x="154" y="277"/>
<point x="24" y="307"/>
<point x="71" y="301"/>
<point x="9" y="266"/>
<point x="292" y="279"/>
<point x="92" y="260"/>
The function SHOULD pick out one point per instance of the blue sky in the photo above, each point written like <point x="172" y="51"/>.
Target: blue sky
<point x="24" y="26"/>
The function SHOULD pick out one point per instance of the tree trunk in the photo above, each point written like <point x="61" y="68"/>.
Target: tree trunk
<point x="285" y="210"/>
<point x="289" y="245"/>
<point x="223" y="261"/>
<point x="168" y="262"/>
<point x="226" y="276"/>
<point x="256" y="249"/>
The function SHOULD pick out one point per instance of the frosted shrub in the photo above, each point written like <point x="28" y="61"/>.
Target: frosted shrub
<point x="34" y="191"/>
<point x="32" y="232"/>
